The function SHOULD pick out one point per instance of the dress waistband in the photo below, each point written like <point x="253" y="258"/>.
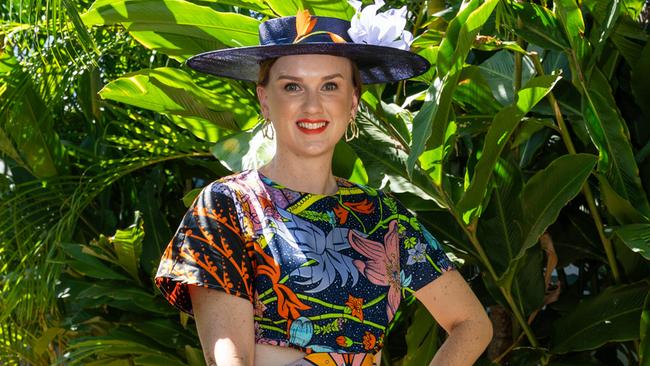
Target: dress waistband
<point x="336" y="359"/>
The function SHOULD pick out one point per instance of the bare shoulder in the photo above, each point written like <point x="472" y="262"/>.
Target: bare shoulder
<point x="448" y="284"/>
<point x="206" y="299"/>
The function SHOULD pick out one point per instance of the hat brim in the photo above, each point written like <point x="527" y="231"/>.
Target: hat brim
<point x="377" y="64"/>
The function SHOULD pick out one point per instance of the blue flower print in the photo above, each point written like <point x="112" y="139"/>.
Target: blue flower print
<point x="405" y="281"/>
<point x="301" y="331"/>
<point x="417" y="254"/>
<point x="332" y="218"/>
<point x="430" y="239"/>
<point x="322" y="348"/>
<point x="323" y="248"/>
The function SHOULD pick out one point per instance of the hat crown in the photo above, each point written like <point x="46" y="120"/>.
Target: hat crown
<point x="283" y="30"/>
<point x="306" y="34"/>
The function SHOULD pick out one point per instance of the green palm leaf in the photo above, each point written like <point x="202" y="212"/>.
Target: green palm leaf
<point x="177" y="28"/>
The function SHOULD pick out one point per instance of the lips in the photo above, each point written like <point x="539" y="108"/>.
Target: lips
<point x="310" y="126"/>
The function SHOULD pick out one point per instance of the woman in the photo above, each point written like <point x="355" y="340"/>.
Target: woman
<point x="288" y="264"/>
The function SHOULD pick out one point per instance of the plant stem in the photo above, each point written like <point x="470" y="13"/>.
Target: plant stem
<point x="398" y="93"/>
<point x="519" y="57"/>
<point x="505" y="292"/>
<point x="479" y="249"/>
<point x="586" y="190"/>
<point x="518" y="60"/>
<point x="518" y="71"/>
<point x="509" y="349"/>
<point x="470" y="231"/>
<point x="520" y="317"/>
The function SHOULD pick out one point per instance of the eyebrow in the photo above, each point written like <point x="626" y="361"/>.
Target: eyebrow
<point x="327" y="77"/>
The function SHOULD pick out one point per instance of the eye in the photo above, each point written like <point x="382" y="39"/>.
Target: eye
<point x="330" y="86"/>
<point x="291" y="87"/>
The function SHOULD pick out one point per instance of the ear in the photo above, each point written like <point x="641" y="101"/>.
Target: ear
<point x="355" y="102"/>
<point x="261" y="97"/>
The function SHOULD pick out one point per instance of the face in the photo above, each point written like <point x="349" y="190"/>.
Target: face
<point x="309" y="99"/>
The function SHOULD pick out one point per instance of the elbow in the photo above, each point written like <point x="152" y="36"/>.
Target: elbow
<point x="477" y="331"/>
<point x="485" y="331"/>
<point x="468" y="340"/>
<point x="488" y="331"/>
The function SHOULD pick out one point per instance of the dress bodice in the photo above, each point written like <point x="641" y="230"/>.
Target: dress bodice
<point x="324" y="273"/>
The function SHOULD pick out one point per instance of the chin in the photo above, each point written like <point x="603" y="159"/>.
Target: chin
<point x="315" y="150"/>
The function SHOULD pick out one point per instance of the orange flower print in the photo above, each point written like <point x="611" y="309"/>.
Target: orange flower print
<point x="289" y="305"/>
<point x="356" y="305"/>
<point x="343" y="341"/>
<point x="304" y="24"/>
<point x="369" y="341"/>
<point x="341" y="213"/>
<point x="363" y="207"/>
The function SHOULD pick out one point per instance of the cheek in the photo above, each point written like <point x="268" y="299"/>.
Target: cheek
<point x="278" y="106"/>
<point x="342" y="106"/>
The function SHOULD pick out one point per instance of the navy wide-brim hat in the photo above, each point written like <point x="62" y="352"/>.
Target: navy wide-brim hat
<point x="377" y="64"/>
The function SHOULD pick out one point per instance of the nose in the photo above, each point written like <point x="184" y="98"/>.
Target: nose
<point x="312" y="103"/>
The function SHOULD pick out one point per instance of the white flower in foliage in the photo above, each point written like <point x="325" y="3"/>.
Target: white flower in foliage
<point x="381" y="29"/>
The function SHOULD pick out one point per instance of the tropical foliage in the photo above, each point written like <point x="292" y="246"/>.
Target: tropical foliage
<point x="525" y="149"/>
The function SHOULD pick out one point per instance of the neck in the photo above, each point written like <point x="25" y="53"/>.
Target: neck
<point x="313" y="175"/>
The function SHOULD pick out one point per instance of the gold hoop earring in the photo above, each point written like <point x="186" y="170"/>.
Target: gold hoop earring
<point x="267" y="129"/>
<point x="352" y="132"/>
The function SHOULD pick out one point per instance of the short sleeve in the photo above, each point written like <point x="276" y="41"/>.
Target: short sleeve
<point x="207" y="250"/>
<point x="422" y="258"/>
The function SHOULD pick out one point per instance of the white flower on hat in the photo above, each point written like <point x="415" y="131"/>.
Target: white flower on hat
<point x="381" y="29"/>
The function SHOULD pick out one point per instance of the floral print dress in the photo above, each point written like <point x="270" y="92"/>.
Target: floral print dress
<point x="324" y="273"/>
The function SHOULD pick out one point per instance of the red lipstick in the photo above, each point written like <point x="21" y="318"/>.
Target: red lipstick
<point x="312" y="126"/>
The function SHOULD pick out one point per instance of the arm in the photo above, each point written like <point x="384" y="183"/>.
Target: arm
<point x="225" y="326"/>
<point x="455" y="307"/>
